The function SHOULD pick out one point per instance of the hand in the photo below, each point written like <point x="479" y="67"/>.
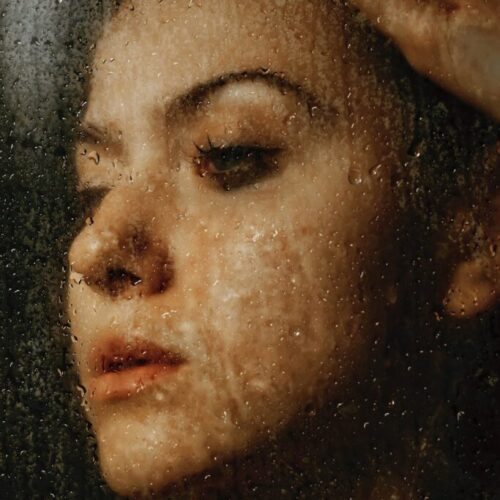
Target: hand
<point x="456" y="43"/>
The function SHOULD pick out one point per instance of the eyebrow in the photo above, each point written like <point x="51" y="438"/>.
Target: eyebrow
<point x="197" y="96"/>
<point x="93" y="133"/>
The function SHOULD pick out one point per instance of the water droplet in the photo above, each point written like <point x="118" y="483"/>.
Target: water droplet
<point x="76" y="277"/>
<point x="392" y="294"/>
<point x="376" y="170"/>
<point x="355" y="176"/>
<point x="313" y="110"/>
<point x="289" y="119"/>
<point x="94" y="155"/>
<point x="438" y="316"/>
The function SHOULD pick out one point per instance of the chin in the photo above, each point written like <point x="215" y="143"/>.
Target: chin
<point x="144" y="453"/>
<point x="139" y="459"/>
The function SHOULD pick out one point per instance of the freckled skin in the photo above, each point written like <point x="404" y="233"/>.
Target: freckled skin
<point x="272" y="283"/>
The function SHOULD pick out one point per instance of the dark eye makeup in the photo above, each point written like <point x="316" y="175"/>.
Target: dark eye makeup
<point x="237" y="165"/>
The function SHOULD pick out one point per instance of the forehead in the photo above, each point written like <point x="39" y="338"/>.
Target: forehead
<point x="154" y="50"/>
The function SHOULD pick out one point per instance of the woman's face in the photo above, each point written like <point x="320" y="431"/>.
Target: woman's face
<point x="237" y="268"/>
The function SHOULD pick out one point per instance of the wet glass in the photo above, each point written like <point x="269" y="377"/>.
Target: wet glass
<point x="249" y="250"/>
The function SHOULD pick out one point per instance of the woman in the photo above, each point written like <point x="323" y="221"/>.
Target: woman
<point x="273" y="201"/>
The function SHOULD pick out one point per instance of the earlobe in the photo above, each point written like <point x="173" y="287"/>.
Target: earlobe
<point x="474" y="287"/>
<point x="475" y="284"/>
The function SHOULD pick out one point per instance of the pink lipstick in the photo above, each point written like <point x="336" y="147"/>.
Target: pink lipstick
<point x="122" y="369"/>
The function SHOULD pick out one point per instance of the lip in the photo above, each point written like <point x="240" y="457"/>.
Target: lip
<point x="122" y="369"/>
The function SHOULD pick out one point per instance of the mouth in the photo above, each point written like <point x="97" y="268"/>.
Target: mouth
<point x="123" y="369"/>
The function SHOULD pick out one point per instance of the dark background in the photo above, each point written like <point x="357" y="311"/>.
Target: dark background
<point x="45" y="450"/>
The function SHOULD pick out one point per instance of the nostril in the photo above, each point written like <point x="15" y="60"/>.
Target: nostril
<point x="119" y="278"/>
<point x="139" y="277"/>
<point x="123" y="262"/>
<point x="121" y="275"/>
<point x="113" y="281"/>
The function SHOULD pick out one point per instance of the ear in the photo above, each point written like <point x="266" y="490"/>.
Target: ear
<point x="475" y="284"/>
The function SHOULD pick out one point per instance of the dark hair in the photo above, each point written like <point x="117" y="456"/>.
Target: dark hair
<point x="441" y="372"/>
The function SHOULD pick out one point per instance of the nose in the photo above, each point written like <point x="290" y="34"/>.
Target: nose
<point x="118" y="254"/>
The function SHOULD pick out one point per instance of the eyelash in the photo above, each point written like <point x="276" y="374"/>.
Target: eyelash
<point x="90" y="199"/>
<point x="236" y="165"/>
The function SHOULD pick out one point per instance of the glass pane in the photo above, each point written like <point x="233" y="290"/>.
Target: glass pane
<point x="249" y="249"/>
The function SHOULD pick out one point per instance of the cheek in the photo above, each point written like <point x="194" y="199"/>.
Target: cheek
<point x="266" y="316"/>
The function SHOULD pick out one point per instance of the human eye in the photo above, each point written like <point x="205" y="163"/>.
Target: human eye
<point x="90" y="198"/>
<point x="235" y="165"/>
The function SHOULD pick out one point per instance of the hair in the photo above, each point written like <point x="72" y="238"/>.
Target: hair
<point x="437" y="367"/>
<point x="439" y="388"/>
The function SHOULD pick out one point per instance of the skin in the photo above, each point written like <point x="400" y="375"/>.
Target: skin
<point x="278" y="290"/>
